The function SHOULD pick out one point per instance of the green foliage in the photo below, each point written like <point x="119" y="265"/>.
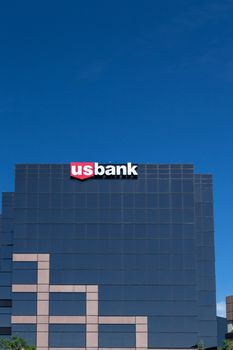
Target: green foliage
<point x="15" y="343"/>
<point x="228" y="345"/>
<point x="200" y="345"/>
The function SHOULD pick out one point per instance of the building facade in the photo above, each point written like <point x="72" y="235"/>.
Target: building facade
<point x="111" y="262"/>
<point x="229" y="310"/>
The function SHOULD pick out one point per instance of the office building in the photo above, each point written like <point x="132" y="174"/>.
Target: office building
<point x="115" y="261"/>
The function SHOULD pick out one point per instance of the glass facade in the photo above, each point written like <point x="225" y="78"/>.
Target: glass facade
<point x="109" y="262"/>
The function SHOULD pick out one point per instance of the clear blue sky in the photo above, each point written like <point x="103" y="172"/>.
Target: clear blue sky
<point x="122" y="80"/>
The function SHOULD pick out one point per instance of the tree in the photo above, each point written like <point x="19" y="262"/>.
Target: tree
<point x="15" y="343"/>
<point x="200" y="345"/>
<point x="228" y="345"/>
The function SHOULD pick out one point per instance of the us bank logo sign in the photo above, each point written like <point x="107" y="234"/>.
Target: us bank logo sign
<point x="86" y="170"/>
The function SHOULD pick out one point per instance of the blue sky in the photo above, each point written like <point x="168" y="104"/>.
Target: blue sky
<point x="126" y="80"/>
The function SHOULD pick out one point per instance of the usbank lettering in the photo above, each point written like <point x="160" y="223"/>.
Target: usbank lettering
<point x="83" y="171"/>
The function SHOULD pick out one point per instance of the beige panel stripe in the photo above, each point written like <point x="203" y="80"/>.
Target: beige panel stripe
<point x="42" y="319"/>
<point x="43" y="277"/>
<point x="68" y="288"/>
<point x="42" y="296"/>
<point x="91" y="339"/>
<point x="117" y="320"/>
<point x="43" y="307"/>
<point x="92" y="288"/>
<point x="92" y="327"/>
<point x="43" y="265"/>
<point x="42" y="327"/>
<point x="43" y="257"/>
<point x="42" y="337"/>
<point x="24" y="287"/>
<point x="141" y="328"/>
<point x="141" y="319"/>
<point x="92" y="319"/>
<point x="43" y="288"/>
<point x="23" y="319"/>
<point x="25" y="257"/>
<point x="92" y="296"/>
<point x="141" y="340"/>
<point x="67" y="319"/>
<point x="92" y="308"/>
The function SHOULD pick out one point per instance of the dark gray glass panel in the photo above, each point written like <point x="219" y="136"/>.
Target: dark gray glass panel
<point x="27" y="332"/>
<point x="5" y="278"/>
<point x="68" y="304"/>
<point x="173" y="324"/>
<point x="148" y="292"/>
<point x="207" y="328"/>
<point x="24" y="307"/>
<point x="163" y="185"/>
<point x="24" y="296"/>
<point x="25" y="265"/>
<point x="23" y="328"/>
<point x="152" y="185"/>
<point x="6" y="265"/>
<point x="5" y="310"/>
<point x="154" y="308"/>
<point x="104" y="200"/>
<point x="5" y="319"/>
<point x="5" y="302"/>
<point x="117" y="336"/>
<point x="173" y="340"/>
<point x="207" y="297"/>
<point x="6" y="253"/>
<point x="176" y="185"/>
<point x="188" y="200"/>
<point x="5" y="291"/>
<point x="164" y="200"/>
<point x="56" y="328"/>
<point x="5" y="330"/>
<point x="71" y="297"/>
<point x="124" y="277"/>
<point x="67" y="336"/>
<point x="116" y="328"/>
<point x="25" y="276"/>
<point x="188" y="186"/>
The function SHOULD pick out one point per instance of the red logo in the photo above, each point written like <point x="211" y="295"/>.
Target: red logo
<point x="82" y="171"/>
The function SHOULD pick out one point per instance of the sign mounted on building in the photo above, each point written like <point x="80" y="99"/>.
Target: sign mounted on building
<point x="84" y="171"/>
